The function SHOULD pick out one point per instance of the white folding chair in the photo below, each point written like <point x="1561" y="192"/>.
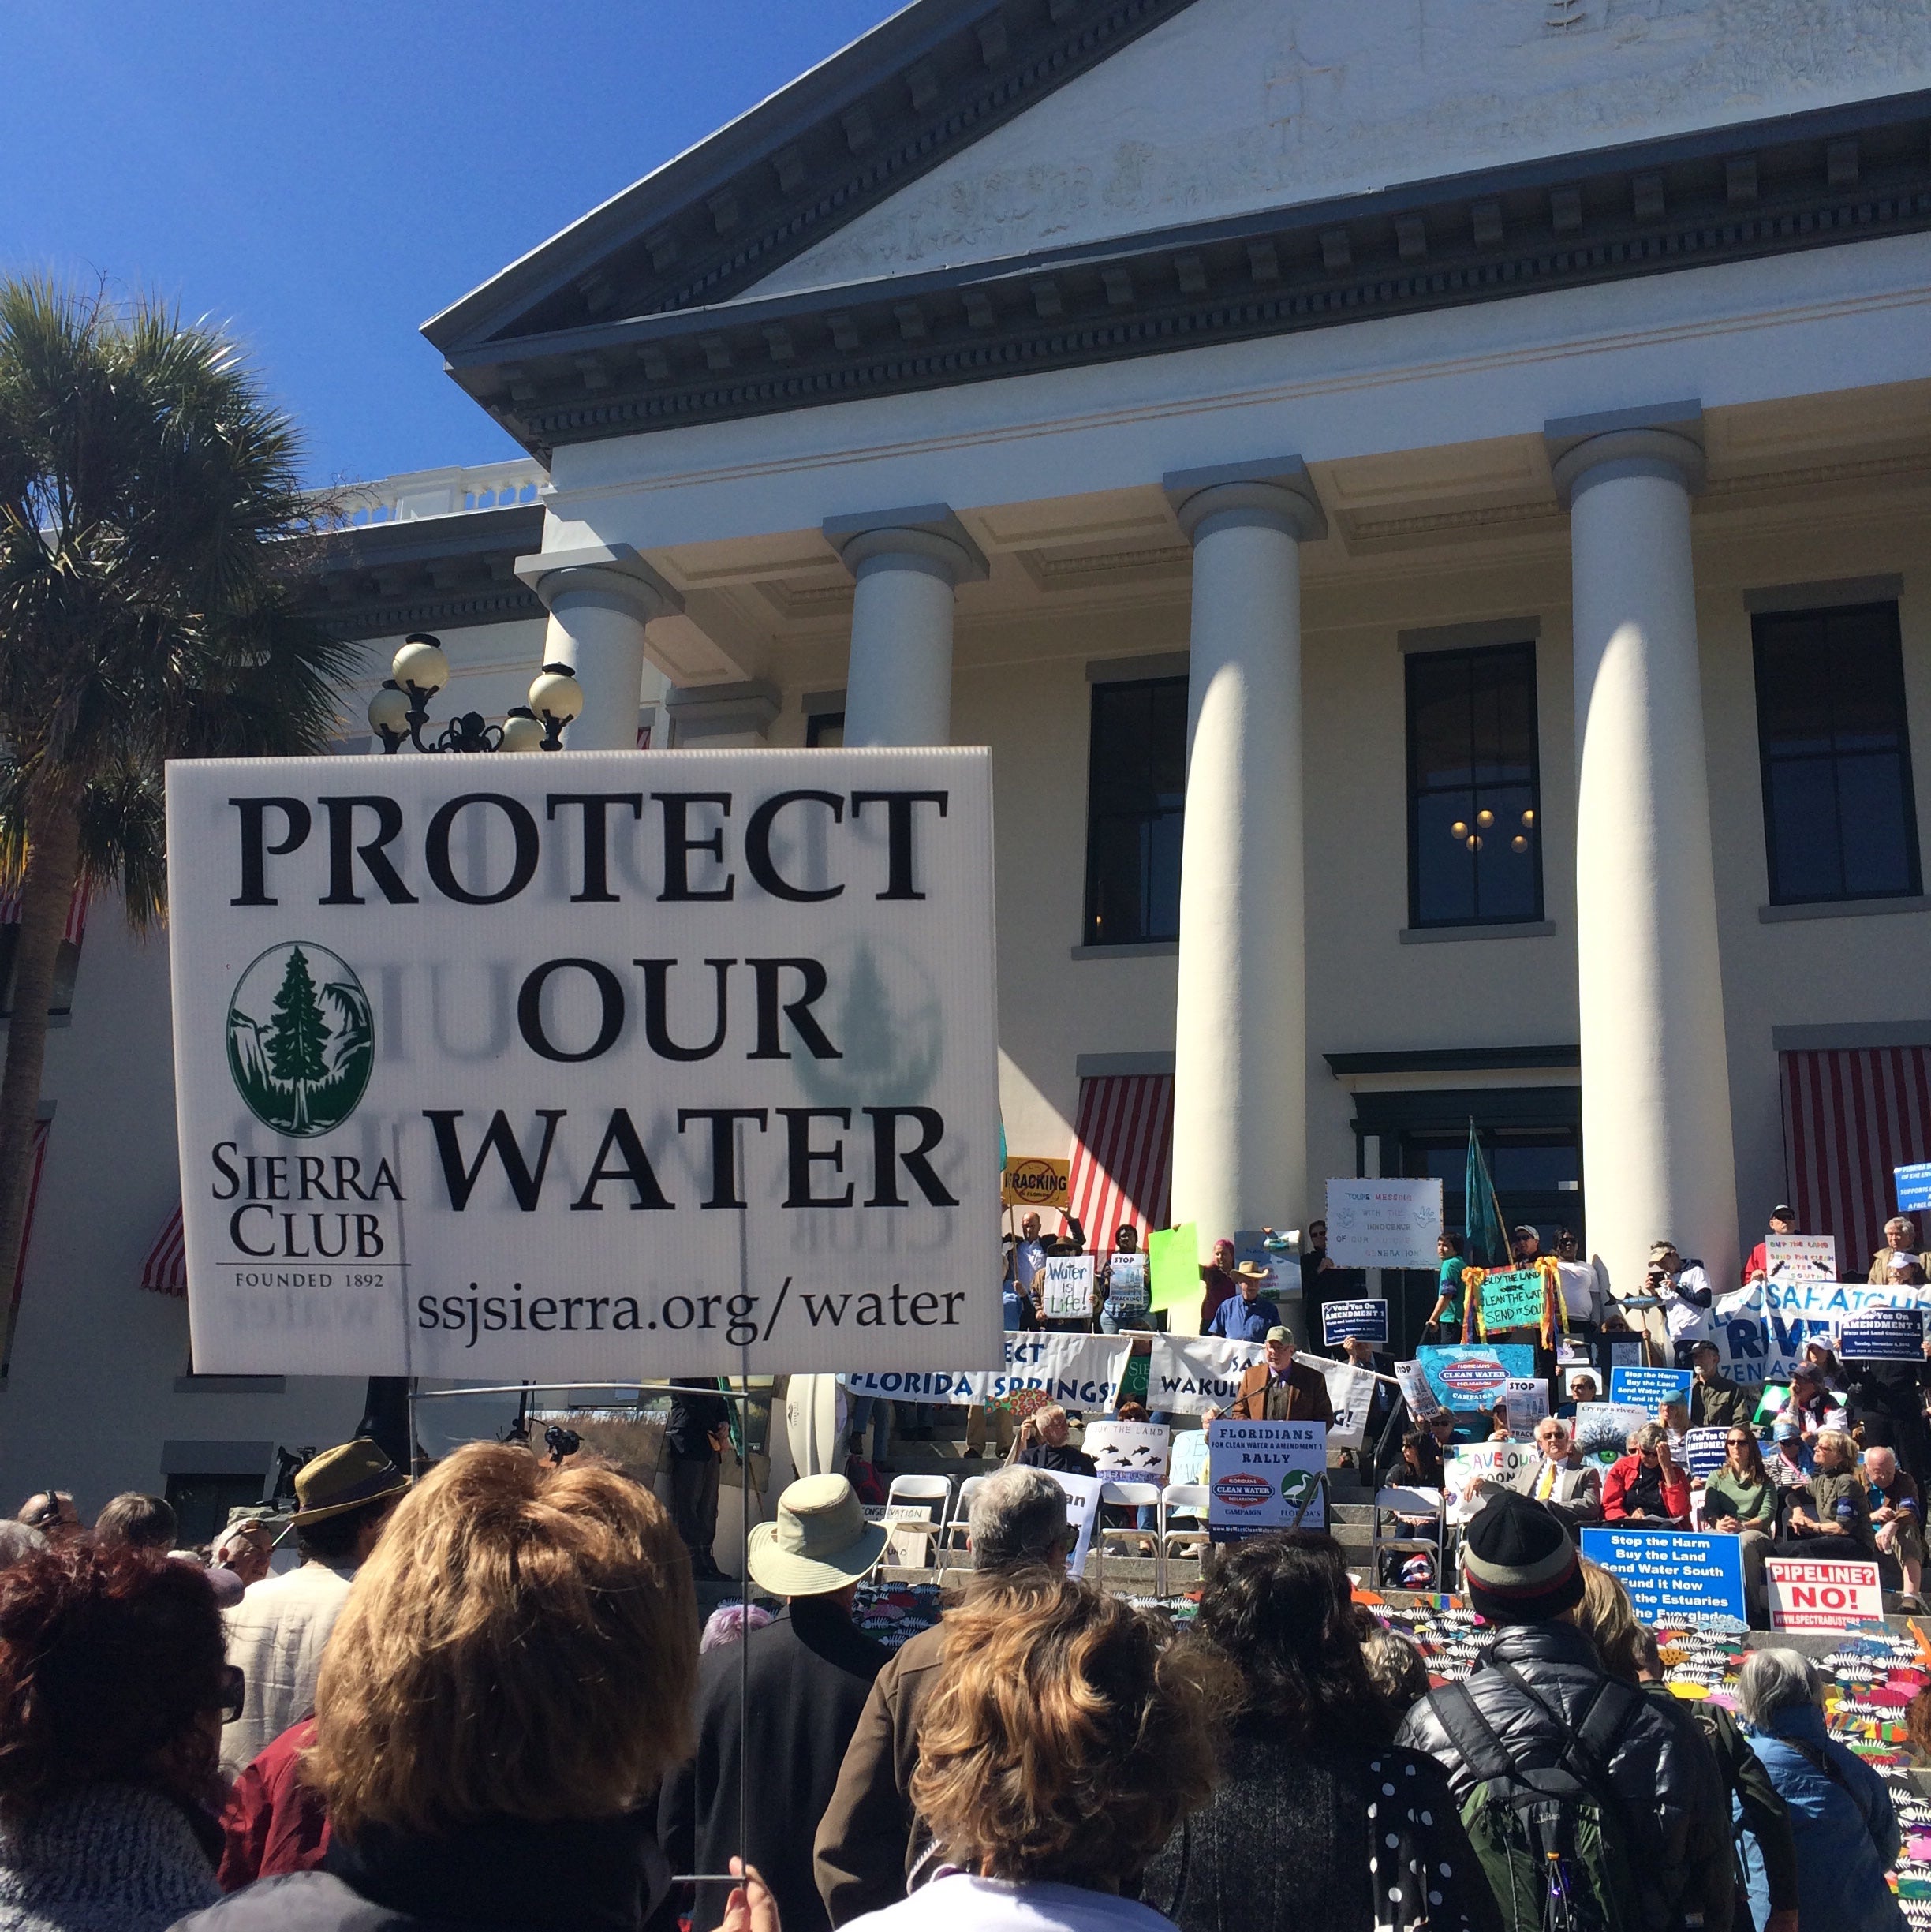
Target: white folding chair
<point x="933" y="1492"/>
<point x="956" y="1533"/>
<point x="1134" y="1495"/>
<point x="1401" y="1502"/>
<point x="1183" y="1499"/>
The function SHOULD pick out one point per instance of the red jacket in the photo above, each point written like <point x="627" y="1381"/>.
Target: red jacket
<point x="1621" y="1479"/>
<point x="273" y="1823"/>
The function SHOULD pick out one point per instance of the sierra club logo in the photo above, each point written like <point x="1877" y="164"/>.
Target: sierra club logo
<point x="301" y="1040"/>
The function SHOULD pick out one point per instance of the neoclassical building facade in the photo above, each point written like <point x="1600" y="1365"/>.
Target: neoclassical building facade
<point x="1427" y="505"/>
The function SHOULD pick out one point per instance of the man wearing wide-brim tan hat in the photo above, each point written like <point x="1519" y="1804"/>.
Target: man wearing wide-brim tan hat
<point x="276" y="1633"/>
<point x="809" y="1673"/>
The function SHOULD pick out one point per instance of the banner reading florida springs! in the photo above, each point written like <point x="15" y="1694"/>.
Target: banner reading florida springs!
<point x="1082" y="1372"/>
<point x="586" y="1066"/>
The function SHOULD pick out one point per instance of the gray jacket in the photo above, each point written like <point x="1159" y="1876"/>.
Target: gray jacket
<point x="111" y="1857"/>
<point x="1578" y="1487"/>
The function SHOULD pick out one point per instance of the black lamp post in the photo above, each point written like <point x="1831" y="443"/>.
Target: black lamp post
<point x="399" y="712"/>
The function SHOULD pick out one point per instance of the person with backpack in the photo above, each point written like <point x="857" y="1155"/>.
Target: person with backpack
<point x="1629" y="1654"/>
<point x="1582" y="1801"/>
<point x="1840" y="1811"/>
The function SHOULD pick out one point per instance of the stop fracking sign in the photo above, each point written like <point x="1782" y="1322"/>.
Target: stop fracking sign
<point x="586" y="1066"/>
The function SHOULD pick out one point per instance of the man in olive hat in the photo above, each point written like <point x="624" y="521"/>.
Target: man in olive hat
<point x="808" y="1672"/>
<point x="277" y="1632"/>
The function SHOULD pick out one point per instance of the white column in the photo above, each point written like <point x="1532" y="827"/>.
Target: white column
<point x="600" y="600"/>
<point x="906" y="562"/>
<point x="1240" y="1032"/>
<point x="1658" y="1160"/>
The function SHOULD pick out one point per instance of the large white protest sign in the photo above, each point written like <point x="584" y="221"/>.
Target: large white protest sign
<point x="586" y="1065"/>
<point x="1137" y="1451"/>
<point x="1801" y="1258"/>
<point x="1066" y="1287"/>
<point x="1082" y="1372"/>
<point x="1470" y="1463"/>
<point x="1391" y="1223"/>
<point x="1264" y="1476"/>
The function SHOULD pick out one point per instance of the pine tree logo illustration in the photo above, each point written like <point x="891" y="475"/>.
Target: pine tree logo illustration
<point x="301" y="1040"/>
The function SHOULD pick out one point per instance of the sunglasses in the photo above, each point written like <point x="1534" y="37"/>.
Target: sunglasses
<point x="1738" y="1442"/>
<point x="233" y="1692"/>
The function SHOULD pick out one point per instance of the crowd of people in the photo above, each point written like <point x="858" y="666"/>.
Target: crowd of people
<point x="481" y="1699"/>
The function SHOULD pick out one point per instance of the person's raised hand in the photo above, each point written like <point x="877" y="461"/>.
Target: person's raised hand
<point x="750" y="1907"/>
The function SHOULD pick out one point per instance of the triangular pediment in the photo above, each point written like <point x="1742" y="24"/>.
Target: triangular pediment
<point x="1233" y="106"/>
<point x="972" y="192"/>
<point x="917" y="90"/>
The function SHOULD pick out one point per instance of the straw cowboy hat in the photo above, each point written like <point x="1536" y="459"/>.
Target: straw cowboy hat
<point x="339" y="1480"/>
<point x="819" y="1542"/>
<point x="1253" y="1271"/>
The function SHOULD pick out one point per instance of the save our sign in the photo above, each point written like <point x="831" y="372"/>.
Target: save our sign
<point x="596" y="1065"/>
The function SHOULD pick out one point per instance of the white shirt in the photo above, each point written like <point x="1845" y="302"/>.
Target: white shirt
<point x="1578" y="1291"/>
<point x="959" y="1902"/>
<point x="275" y="1638"/>
<point x="1686" y="1321"/>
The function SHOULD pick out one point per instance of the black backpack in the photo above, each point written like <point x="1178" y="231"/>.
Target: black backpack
<point x="1562" y="1851"/>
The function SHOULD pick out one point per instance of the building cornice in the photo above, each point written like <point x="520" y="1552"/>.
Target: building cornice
<point x="438" y="573"/>
<point x="921" y="87"/>
<point x="1727" y="195"/>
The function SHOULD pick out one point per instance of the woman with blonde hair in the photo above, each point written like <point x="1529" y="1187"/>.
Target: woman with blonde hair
<point x="1067" y="1739"/>
<point x="511" y="1679"/>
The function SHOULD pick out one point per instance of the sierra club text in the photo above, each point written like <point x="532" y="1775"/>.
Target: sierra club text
<point x="738" y="1315"/>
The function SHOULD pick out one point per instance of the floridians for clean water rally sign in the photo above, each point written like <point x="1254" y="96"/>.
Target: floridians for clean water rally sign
<point x="585" y="1066"/>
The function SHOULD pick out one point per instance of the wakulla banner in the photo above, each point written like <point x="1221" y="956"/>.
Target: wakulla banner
<point x="586" y="1065"/>
<point x="1080" y="1371"/>
<point x="1189" y="1374"/>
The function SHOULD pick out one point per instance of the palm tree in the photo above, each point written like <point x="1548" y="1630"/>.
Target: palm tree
<point x="153" y="530"/>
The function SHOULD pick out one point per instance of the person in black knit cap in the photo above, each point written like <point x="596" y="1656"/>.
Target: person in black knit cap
<point x="1539" y="1701"/>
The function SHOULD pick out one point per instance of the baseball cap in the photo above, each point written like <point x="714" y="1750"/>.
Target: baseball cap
<point x="1277" y="1333"/>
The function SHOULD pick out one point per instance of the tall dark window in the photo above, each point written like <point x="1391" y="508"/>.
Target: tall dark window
<point x="1136" y="796"/>
<point x="1474" y="808"/>
<point x="1840" y="820"/>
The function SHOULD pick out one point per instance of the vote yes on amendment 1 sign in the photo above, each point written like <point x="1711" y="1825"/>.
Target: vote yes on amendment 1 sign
<point x="586" y="1066"/>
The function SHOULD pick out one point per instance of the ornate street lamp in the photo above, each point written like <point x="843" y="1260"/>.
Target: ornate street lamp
<point x="399" y="712"/>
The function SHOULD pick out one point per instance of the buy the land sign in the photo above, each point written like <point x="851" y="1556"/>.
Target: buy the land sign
<point x="588" y="1065"/>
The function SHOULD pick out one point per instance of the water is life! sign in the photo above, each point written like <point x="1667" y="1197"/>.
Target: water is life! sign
<point x="586" y="1066"/>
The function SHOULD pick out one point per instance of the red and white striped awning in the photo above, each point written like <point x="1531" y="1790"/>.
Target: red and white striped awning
<point x="1850" y="1115"/>
<point x="165" y="1272"/>
<point x="1123" y="1156"/>
<point x="75" y="928"/>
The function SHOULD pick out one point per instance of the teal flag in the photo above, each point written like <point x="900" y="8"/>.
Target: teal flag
<point x="1485" y="1240"/>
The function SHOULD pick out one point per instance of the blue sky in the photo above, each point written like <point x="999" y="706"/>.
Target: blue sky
<point x="322" y="178"/>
